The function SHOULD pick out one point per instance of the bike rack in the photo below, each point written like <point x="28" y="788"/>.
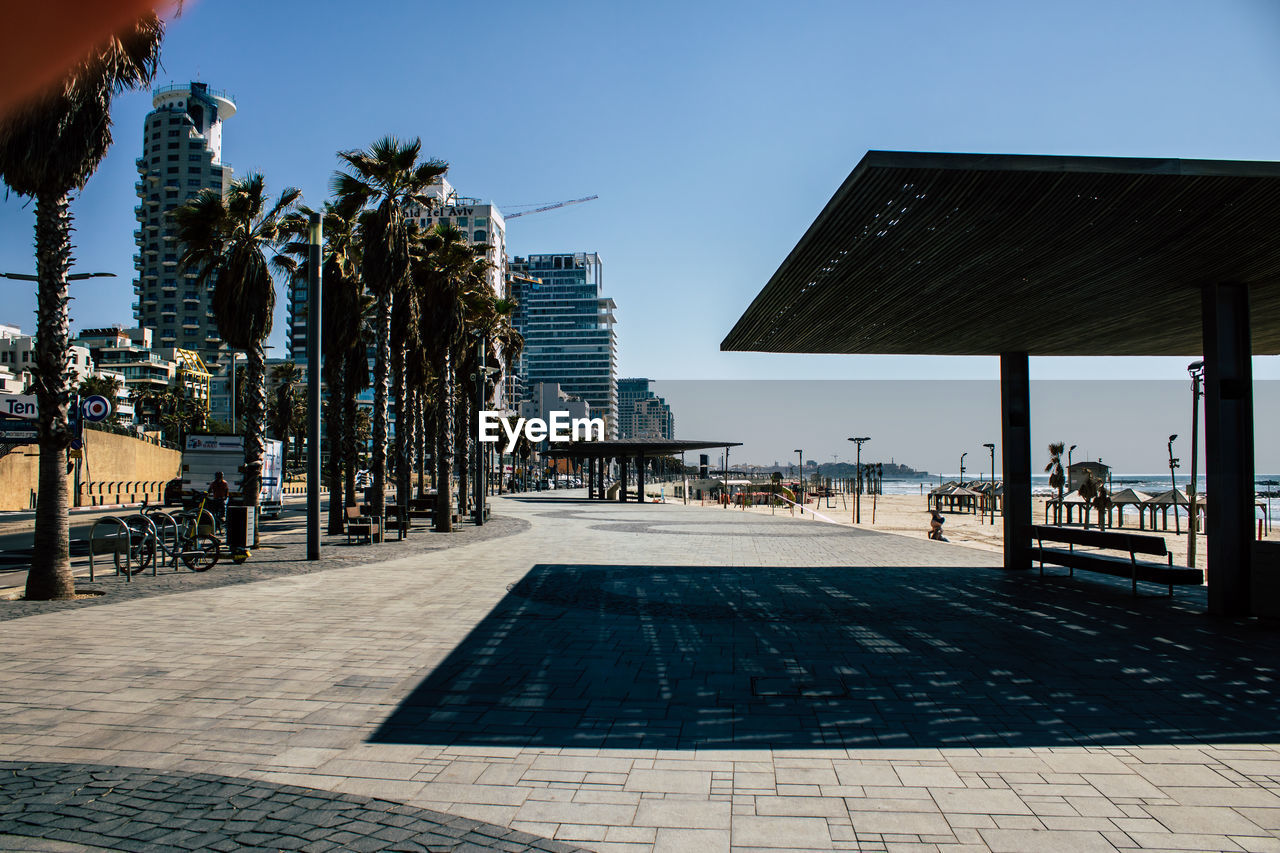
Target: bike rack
<point x="147" y="535"/>
<point x="121" y="525"/>
<point x="164" y="522"/>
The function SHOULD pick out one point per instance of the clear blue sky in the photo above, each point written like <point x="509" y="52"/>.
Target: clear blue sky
<point x="712" y="132"/>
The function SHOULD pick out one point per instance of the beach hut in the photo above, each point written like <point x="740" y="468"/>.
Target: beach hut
<point x="934" y="500"/>
<point x="1162" y="502"/>
<point x="1077" y="471"/>
<point x="1070" y="502"/>
<point x="1128" y="497"/>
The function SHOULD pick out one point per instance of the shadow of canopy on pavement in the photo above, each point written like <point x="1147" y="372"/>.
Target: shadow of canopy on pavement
<point x="697" y="657"/>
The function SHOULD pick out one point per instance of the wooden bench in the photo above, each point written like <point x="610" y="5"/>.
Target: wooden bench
<point x="1121" y="567"/>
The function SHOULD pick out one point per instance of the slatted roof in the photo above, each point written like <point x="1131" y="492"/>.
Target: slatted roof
<point x="632" y="446"/>
<point x="978" y="254"/>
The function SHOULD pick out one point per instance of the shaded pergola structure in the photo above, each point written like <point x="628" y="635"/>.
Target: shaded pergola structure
<point x="598" y="454"/>
<point x="978" y="254"/>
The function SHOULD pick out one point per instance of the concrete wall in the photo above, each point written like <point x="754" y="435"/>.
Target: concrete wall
<point x="114" y="469"/>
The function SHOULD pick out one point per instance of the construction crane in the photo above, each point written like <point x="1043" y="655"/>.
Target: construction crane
<point x="558" y="204"/>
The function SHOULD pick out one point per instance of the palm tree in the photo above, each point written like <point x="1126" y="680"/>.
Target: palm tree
<point x="343" y="337"/>
<point x="451" y="273"/>
<point x="227" y="242"/>
<point x="1088" y="491"/>
<point x="49" y="146"/>
<point x="1057" y="479"/>
<point x="383" y="180"/>
<point x="283" y="415"/>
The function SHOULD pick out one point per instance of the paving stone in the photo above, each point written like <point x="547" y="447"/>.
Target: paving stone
<point x="577" y="668"/>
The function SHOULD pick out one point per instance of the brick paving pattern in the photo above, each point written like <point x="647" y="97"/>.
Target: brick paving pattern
<point x="125" y="808"/>
<point x="636" y="678"/>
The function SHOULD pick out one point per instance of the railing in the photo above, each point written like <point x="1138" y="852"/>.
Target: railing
<point x="186" y="88"/>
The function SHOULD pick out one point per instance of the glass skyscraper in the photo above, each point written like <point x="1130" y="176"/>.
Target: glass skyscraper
<point x="568" y="329"/>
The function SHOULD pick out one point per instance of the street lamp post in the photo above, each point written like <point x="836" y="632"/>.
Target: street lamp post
<point x="857" y="485"/>
<point x="314" y="355"/>
<point x="235" y="356"/>
<point x="801" y="489"/>
<point x="991" y="495"/>
<point x="1173" y="464"/>
<point x="1196" y="369"/>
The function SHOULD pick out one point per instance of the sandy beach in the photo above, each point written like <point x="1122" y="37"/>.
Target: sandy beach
<point x="906" y="515"/>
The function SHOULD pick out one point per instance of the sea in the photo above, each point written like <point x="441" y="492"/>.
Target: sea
<point x="1152" y="484"/>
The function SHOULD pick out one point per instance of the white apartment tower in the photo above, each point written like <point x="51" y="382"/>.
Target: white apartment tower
<point x="181" y="155"/>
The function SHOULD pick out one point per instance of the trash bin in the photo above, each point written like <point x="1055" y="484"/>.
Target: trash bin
<point x="240" y="523"/>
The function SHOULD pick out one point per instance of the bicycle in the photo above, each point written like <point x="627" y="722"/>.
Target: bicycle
<point x="198" y="548"/>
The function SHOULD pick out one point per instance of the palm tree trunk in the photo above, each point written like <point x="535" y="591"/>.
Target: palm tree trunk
<point x="444" y="446"/>
<point x="255" y="444"/>
<point x="421" y="413"/>
<point x="336" y="427"/>
<point x="353" y="362"/>
<point x="381" y="390"/>
<point x="397" y="393"/>
<point x="462" y="450"/>
<point x="50" y="575"/>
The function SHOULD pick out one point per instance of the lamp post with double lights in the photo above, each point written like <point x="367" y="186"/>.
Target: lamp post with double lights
<point x="857" y="484"/>
<point x="1173" y="464"/>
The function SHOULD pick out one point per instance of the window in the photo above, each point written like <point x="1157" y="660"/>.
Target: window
<point x="481" y="220"/>
<point x="173" y="158"/>
<point x="173" y="145"/>
<point x="193" y="182"/>
<point x="462" y="222"/>
<point x="173" y="133"/>
<point x="171" y="194"/>
<point x="193" y="158"/>
<point x="481" y="236"/>
<point x="172" y="170"/>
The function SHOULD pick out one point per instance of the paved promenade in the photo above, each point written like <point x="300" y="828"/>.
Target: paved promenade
<point x="634" y="678"/>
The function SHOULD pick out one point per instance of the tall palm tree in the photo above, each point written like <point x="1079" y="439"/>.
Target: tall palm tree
<point x="1057" y="478"/>
<point x="285" y="377"/>
<point x="227" y="242"/>
<point x="383" y="180"/>
<point x="343" y="339"/>
<point x="49" y="146"/>
<point x="450" y="273"/>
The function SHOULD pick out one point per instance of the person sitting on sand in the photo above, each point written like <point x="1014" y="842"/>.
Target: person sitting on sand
<point x="935" y="526"/>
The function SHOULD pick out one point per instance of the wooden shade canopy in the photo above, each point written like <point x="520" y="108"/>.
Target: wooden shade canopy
<point x="979" y="254"/>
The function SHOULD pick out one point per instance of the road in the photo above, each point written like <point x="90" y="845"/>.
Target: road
<point x="16" y="539"/>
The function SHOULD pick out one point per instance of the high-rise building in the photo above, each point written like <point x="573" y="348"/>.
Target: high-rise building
<point x="642" y="413"/>
<point x="181" y="155"/>
<point x="568" y="329"/>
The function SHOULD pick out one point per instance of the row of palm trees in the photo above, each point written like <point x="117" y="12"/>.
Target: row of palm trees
<point x="421" y="298"/>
